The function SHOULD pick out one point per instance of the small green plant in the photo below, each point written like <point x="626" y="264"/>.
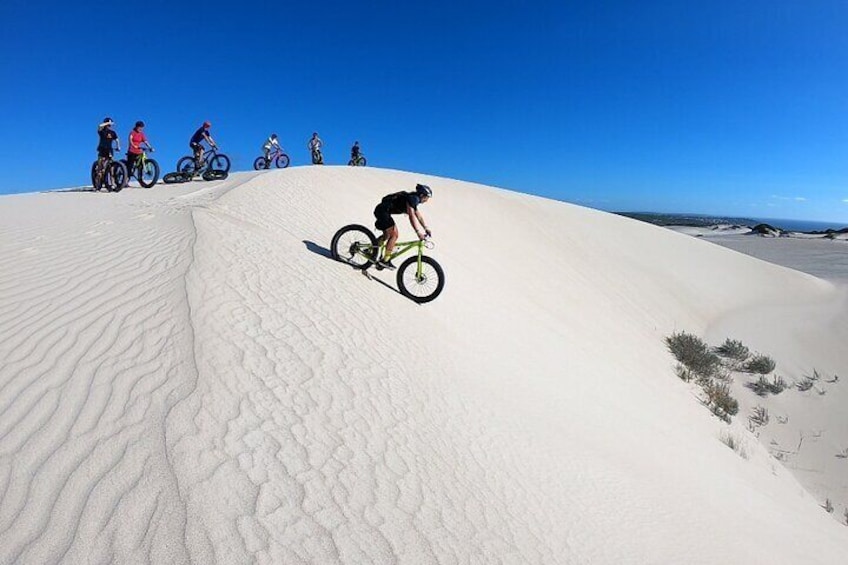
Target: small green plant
<point x="733" y="351"/>
<point x="719" y="400"/>
<point x="734" y="443"/>
<point x="759" y="416"/>
<point x="759" y="364"/>
<point x="693" y="353"/>
<point x="805" y="385"/>
<point x="777" y="385"/>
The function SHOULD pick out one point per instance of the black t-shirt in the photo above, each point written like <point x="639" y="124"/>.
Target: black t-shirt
<point x="198" y="136"/>
<point x="396" y="203"/>
<point x="107" y="136"/>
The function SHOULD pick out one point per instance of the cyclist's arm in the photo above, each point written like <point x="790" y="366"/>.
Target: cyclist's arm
<point x="209" y="140"/>
<point x="417" y="221"/>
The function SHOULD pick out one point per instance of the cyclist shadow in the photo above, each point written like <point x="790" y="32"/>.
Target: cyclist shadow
<point x="324" y="252"/>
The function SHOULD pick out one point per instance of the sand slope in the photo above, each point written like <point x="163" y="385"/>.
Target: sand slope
<point x="185" y="376"/>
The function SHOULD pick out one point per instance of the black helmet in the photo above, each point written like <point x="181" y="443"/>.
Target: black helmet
<point x="107" y="120"/>
<point x="423" y="190"/>
<point x="139" y="124"/>
<point x="273" y="136"/>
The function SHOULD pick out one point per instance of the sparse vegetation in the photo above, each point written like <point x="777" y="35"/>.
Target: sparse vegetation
<point x="843" y="454"/>
<point x="763" y="386"/>
<point x="828" y="506"/>
<point x="759" y="416"/>
<point x="734" y="352"/>
<point x="697" y="361"/>
<point x="733" y="442"/>
<point x="759" y="364"/>
<point x="719" y="400"/>
<point x="805" y="384"/>
<point x="694" y="354"/>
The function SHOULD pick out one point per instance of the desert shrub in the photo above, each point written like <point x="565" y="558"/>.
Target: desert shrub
<point x="733" y="351"/>
<point x="733" y="442"/>
<point x="720" y="401"/>
<point x="828" y="506"/>
<point x="759" y="416"/>
<point x="693" y="353"/>
<point x="777" y="385"/>
<point x="760" y="386"/>
<point x="763" y="386"/>
<point x="683" y="373"/>
<point x="805" y="385"/>
<point x="761" y="364"/>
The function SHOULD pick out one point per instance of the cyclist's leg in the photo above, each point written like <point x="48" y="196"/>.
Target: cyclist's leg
<point x="131" y="158"/>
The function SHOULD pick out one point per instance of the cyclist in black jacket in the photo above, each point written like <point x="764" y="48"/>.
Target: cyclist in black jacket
<point x="400" y="203"/>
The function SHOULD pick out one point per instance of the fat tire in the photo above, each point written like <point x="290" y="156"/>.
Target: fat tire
<point x="187" y="165"/>
<point x="150" y="165"/>
<point x="175" y="177"/>
<point x="343" y="241"/>
<point x="118" y="177"/>
<point x="214" y="174"/>
<point x="94" y="184"/>
<point x="220" y="162"/>
<point x="411" y="288"/>
<point x="259" y="164"/>
<point x="282" y="161"/>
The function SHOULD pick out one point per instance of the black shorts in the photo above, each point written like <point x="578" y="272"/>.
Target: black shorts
<point x="384" y="219"/>
<point x="104" y="152"/>
<point x="196" y="147"/>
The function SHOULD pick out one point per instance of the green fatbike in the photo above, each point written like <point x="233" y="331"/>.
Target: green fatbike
<point x="420" y="278"/>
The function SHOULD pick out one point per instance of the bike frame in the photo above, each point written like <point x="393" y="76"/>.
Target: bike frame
<point x="272" y="156"/>
<point x="401" y="247"/>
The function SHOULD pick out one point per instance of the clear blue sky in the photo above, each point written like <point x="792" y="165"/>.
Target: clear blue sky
<point x="721" y="107"/>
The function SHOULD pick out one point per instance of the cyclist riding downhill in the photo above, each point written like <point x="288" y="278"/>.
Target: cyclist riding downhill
<point x="400" y="203"/>
<point x="270" y="144"/>
<point x="137" y="139"/>
<point x="315" y="145"/>
<point x="202" y="134"/>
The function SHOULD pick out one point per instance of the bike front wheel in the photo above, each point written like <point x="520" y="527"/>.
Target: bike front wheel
<point x="117" y="177"/>
<point x="354" y="244"/>
<point x="282" y="161"/>
<point x="421" y="285"/>
<point x="220" y="162"/>
<point x="148" y="173"/>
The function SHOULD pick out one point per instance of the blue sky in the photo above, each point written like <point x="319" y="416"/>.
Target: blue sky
<point x="734" y="108"/>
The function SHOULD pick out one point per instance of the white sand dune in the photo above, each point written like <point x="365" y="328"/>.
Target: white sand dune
<point x="186" y="377"/>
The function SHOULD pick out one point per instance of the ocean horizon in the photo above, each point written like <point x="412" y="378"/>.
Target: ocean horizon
<point x="667" y="219"/>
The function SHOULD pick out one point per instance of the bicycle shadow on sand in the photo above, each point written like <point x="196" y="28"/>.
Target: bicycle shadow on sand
<point x="324" y="252"/>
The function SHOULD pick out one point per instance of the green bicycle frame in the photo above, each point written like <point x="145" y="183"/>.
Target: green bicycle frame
<point x="401" y="247"/>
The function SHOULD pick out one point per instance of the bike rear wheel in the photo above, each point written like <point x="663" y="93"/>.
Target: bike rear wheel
<point x="148" y="173"/>
<point x="260" y="163"/>
<point x="422" y="286"/>
<point x="220" y="162"/>
<point x="282" y="161"/>
<point x="96" y="180"/>
<point x="352" y="244"/>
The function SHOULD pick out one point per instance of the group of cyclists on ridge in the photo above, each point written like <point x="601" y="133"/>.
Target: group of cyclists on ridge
<point x="402" y="202"/>
<point x="109" y="142"/>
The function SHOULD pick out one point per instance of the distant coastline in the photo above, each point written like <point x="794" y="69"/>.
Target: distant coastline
<point x="696" y="220"/>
